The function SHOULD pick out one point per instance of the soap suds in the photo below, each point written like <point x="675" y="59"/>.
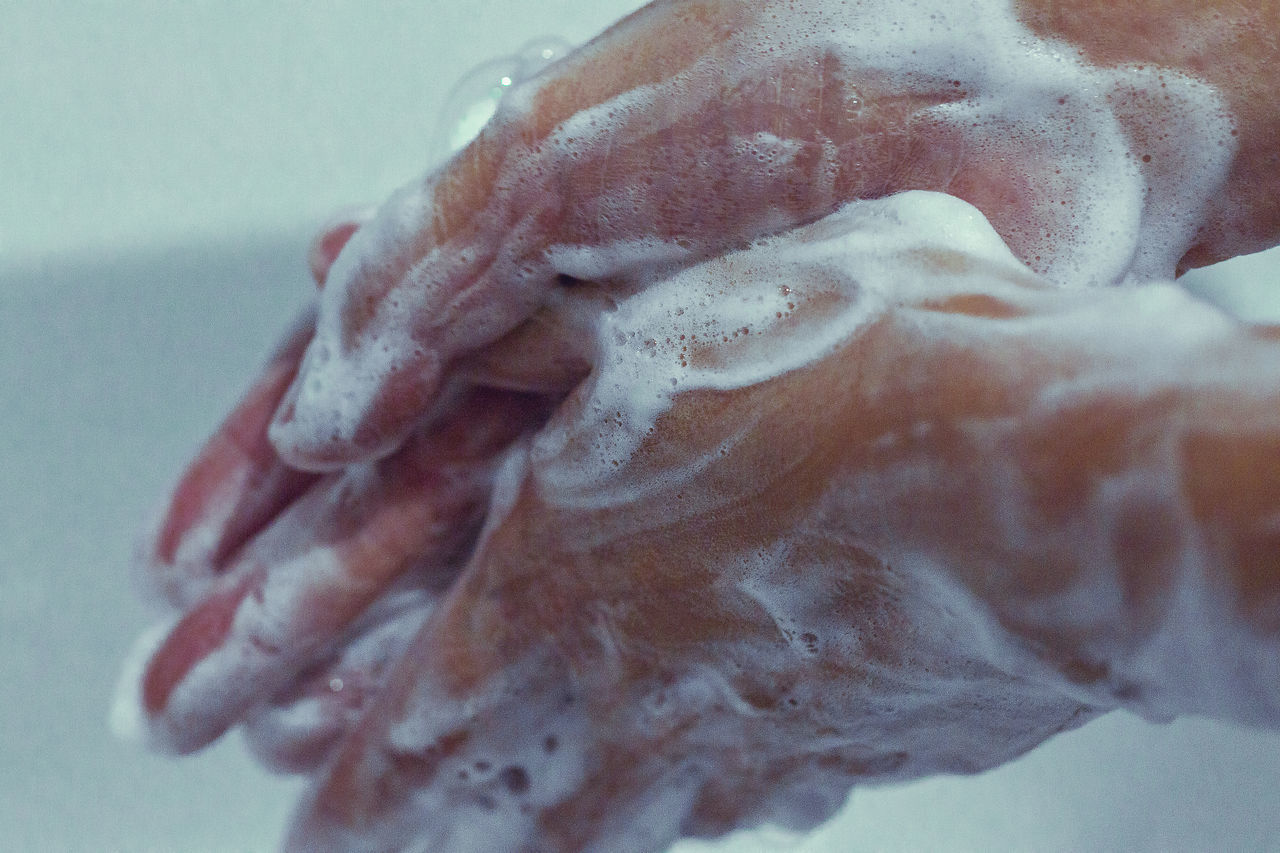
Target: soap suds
<point x="743" y="319"/>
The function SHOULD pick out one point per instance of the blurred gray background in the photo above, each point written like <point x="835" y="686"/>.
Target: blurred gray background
<point x="162" y="166"/>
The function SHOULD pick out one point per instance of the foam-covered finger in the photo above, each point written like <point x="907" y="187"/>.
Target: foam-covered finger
<point x="235" y="486"/>
<point x="299" y="730"/>
<point x="300" y="585"/>
<point x="334" y="235"/>
<point x="344" y="414"/>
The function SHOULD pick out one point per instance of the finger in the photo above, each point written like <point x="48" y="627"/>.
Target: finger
<point x="298" y="731"/>
<point x="237" y="483"/>
<point x="300" y="583"/>
<point x="328" y="244"/>
<point x="551" y="352"/>
<point x="233" y="488"/>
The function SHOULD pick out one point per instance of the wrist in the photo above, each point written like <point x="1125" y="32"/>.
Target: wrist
<point x="1232" y="47"/>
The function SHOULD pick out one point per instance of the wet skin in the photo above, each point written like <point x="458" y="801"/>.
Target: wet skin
<point x="808" y="605"/>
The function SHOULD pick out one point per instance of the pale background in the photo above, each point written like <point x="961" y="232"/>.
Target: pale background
<point x="161" y="166"/>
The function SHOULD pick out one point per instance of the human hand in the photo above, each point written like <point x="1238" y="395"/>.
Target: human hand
<point x="341" y="639"/>
<point x="913" y="512"/>
<point x="691" y="128"/>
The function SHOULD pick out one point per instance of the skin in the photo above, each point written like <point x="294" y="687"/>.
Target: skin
<point x="1231" y="46"/>
<point x="522" y="617"/>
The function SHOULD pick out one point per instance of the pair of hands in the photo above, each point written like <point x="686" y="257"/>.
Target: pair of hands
<point x="591" y="516"/>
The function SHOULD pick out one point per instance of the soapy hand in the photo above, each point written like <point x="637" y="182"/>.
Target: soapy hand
<point x="914" y="512"/>
<point x="695" y="126"/>
<point x="865" y="501"/>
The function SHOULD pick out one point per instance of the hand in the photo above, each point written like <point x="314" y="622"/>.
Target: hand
<point x="914" y="512"/>
<point x="696" y="126"/>
<point x="266" y="635"/>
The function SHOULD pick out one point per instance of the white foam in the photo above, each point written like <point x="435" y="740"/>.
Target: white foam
<point x="126" y="719"/>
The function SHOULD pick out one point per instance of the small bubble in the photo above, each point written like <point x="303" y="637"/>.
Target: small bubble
<point x="475" y="98"/>
<point x="515" y="779"/>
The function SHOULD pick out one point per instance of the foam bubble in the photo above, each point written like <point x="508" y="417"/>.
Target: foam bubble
<point x="476" y="97"/>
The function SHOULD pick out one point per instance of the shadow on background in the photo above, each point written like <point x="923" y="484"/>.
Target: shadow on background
<point x="115" y="369"/>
